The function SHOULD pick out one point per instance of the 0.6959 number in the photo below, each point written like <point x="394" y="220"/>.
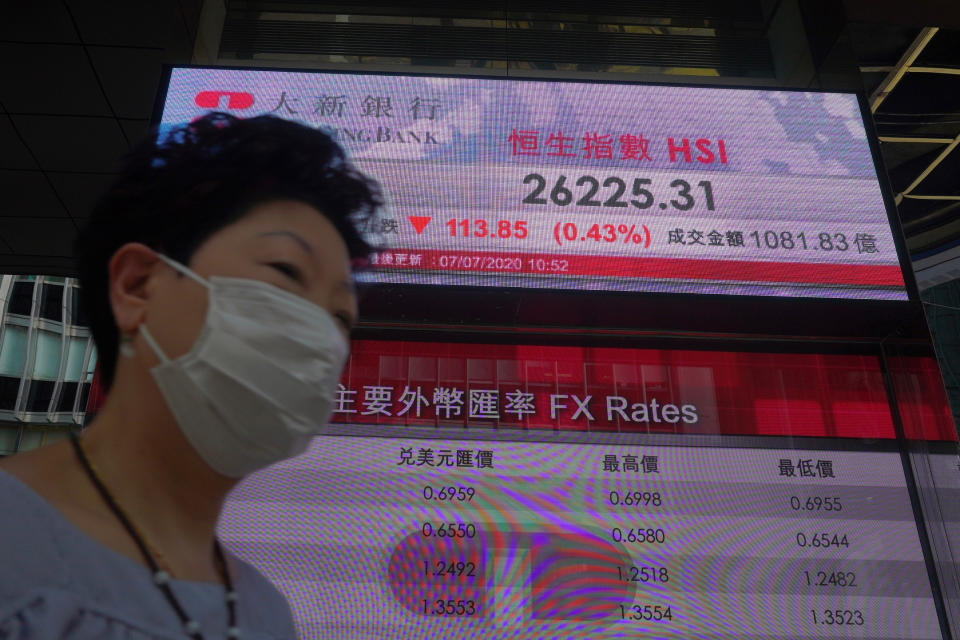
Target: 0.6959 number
<point x="449" y="494"/>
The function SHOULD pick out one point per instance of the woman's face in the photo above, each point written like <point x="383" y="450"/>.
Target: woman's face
<point x="286" y="243"/>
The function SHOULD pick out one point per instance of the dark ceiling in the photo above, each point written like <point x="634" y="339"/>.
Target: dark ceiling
<point x="80" y="78"/>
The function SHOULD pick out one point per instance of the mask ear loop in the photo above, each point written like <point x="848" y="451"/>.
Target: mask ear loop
<point x="184" y="270"/>
<point x="153" y="343"/>
<point x="143" y="327"/>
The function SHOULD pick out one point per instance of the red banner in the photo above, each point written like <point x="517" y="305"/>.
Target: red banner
<point x="921" y="399"/>
<point x="625" y="390"/>
<point x="648" y="267"/>
<point x="634" y="390"/>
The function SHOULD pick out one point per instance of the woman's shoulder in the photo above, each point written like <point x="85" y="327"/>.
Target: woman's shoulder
<point x="51" y="574"/>
<point x="262" y="602"/>
<point x="30" y="538"/>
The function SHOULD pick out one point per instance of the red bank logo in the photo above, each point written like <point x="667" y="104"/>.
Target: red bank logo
<point x="214" y="99"/>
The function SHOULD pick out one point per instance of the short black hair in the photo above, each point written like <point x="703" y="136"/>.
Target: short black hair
<point x="177" y="189"/>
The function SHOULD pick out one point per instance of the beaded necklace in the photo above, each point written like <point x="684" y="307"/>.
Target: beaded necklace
<point x="161" y="575"/>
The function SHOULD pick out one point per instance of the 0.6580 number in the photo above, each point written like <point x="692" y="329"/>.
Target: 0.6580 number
<point x="639" y="535"/>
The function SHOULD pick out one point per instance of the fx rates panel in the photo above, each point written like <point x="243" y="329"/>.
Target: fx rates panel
<point x="404" y="538"/>
<point x="523" y="491"/>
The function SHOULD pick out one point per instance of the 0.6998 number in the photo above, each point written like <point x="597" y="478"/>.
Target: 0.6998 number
<point x="635" y="498"/>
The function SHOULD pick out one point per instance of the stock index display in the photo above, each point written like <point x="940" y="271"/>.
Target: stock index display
<point x="599" y="186"/>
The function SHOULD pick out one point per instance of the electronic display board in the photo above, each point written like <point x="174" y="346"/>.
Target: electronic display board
<point x="476" y="490"/>
<point x="519" y="491"/>
<point x="559" y="185"/>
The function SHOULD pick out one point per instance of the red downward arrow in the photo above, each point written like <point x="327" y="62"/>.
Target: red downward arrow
<point x="420" y="222"/>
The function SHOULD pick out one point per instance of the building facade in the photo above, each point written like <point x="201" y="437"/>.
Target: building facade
<point x="47" y="360"/>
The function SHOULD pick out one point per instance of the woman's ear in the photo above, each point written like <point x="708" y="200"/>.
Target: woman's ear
<point x="130" y="272"/>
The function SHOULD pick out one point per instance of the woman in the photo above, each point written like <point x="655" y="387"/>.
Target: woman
<point x="216" y="275"/>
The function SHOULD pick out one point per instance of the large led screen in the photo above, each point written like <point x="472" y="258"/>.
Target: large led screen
<point x="550" y="493"/>
<point x="594" y="186"/>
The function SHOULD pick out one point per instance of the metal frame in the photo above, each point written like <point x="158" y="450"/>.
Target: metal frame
<point x="896" y="73"/>
<point x="898" y="70"/>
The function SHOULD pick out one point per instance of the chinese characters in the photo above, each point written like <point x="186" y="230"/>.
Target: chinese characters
<point x="460" y="458"/>
<point x="604" y="145"/>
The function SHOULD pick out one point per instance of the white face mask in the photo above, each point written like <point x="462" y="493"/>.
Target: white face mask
<point x="261" y="378"/>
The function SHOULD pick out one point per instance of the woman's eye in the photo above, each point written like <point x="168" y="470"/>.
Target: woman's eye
<point x="288" y="270"/>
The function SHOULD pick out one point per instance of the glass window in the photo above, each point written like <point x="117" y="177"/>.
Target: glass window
<point x="13" y="351"/>
<point x="67" y="393"/>
<point x="21" y="298"/>
<point x="9" y="387"/>
<point x="47" y="362"/>
<point x="51" y="302"/>
<point x="84" y="394"/>
<point x="38" y="398"/>
<point x="93" y="365"/>
<point x="75" y="353"/>
<point x="78" y="317"/>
